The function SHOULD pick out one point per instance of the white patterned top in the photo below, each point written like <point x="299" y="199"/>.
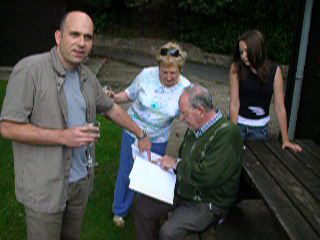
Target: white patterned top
<point x="154" y="106"/>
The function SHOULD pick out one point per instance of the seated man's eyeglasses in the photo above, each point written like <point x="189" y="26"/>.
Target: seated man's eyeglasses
<point x="173" y="52"/>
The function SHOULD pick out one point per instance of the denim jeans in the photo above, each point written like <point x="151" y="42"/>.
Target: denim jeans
<point x="254" y="133"/>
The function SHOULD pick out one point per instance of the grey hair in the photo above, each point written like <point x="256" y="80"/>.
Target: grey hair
<point x="199" y="96"/>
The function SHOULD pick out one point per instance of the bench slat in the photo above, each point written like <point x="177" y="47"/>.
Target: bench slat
<point x="291" y="219"/>
<point x="309" y="160"/>
<point x="303" y="174"/>
<point x="310" y="146"/>
<point x="300" y="197"/>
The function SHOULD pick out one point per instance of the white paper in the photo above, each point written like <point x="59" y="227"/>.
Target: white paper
<point x="150" y="179"/>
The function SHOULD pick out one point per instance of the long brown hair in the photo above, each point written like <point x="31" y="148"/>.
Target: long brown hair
<point x="256" y="53"/>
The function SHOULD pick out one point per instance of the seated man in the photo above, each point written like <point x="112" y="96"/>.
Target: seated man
<point x="208" y="173"/>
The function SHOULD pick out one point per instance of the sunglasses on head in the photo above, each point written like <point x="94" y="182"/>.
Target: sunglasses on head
<point x="173" y="52"/>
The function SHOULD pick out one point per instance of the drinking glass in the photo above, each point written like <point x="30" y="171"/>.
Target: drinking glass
<point x="90" y="149"/>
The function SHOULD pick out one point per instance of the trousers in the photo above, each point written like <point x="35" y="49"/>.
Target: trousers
<point x="254" y="133"/>
<point x="184" y="217"/>
<point x="64" y="225"/>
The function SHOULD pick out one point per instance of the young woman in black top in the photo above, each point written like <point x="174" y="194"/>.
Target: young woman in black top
<point x="253" y="81"/>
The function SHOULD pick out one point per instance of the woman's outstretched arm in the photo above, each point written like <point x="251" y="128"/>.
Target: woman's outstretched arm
<point x="281" y="113"/>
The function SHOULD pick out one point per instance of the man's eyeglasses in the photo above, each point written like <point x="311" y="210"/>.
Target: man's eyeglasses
<point x="173" y="52"/>
<point x="187" y="112"/>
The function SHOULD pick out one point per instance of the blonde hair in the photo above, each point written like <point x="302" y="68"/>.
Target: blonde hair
<point x="168" y="59"/>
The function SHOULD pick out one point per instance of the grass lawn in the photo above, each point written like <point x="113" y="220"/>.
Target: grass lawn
<point x="98" y="217"/>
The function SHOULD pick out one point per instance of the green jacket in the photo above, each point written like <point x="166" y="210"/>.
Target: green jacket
<point x="211" y="165"/>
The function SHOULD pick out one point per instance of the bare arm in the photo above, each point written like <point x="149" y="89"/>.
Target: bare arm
<point x="281" y="113"/>
<point x="120" y="117"/>
<point x="234" y="95"/>
<point x="31" y="134"/>
<point x="120" y="97"/>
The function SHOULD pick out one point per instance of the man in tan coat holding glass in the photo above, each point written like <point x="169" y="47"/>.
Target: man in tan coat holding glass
<point x="49" y="102"/>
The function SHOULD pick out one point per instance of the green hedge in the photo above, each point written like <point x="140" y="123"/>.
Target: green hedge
<point x="211" y="25"/>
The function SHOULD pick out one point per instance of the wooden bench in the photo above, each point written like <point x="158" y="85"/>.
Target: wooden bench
<point x="289" y="184"/>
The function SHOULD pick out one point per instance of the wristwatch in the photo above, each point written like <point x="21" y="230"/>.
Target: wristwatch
<point x="144" y="134"/>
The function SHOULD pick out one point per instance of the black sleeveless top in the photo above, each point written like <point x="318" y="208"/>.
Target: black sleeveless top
<point x="255" y="96"/>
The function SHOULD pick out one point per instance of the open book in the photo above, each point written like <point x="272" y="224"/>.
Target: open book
<point x="150" y="179"/>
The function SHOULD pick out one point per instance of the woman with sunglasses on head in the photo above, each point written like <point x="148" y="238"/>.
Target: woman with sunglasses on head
<point x="253" y="81"/>
<point x="154" y="95"/>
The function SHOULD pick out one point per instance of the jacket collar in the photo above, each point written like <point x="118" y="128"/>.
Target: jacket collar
<point x="58" y="67"/>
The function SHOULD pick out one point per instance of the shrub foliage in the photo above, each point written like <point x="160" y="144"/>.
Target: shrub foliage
<point x="211" y="25"/>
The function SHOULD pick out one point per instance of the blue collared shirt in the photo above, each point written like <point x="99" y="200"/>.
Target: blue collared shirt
<point x="208" y="124"/>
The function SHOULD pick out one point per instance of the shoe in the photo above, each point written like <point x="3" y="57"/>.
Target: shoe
<point x="119" y="221"/>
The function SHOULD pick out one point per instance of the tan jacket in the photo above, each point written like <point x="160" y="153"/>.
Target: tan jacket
<point x="35" y="95"/>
